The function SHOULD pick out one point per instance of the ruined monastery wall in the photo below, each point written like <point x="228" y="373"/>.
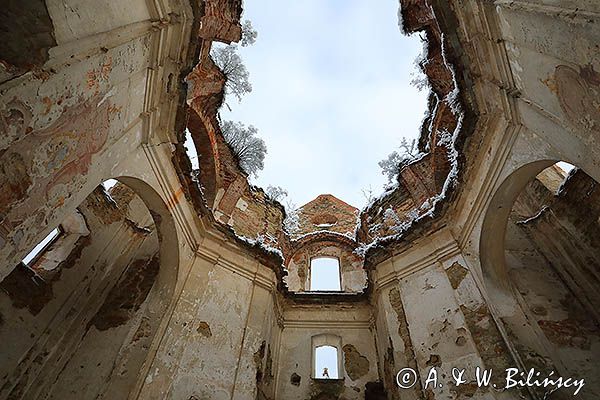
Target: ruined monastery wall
<point x="180" y="284"/>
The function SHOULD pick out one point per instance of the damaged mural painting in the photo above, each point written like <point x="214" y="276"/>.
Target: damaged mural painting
<point x="132" y="269"/>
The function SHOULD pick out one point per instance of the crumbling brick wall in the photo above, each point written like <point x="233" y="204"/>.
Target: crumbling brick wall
<point x="298" y="263"/>
<point x="327" y="213"/>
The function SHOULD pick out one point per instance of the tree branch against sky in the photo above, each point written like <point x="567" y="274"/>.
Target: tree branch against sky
<point x="249" y="149"/>
<point x="237" y="78"/>
<point x="391" y="165"/>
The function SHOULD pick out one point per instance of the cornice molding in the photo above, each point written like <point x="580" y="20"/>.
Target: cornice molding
<point x="320" y="324"/>
<point x="249" y="269"/>
<point x="171" y="38"/>
<point x="504" y="120"/>
<point x="572" y="14"/>
<point x="490" y="180"/>
<point x="438" y="253"/>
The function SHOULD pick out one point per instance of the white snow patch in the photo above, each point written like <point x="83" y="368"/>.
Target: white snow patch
<point x="534" y="217"/>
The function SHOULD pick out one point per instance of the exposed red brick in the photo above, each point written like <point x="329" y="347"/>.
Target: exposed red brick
<point x="327" y="213"/>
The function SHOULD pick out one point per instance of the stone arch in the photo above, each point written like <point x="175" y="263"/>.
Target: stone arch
<point x="135" y="347"/>
<point x="161" y="294"/>
<point x="167" y="231"/>
<point x="108" y="295"/>
<point x="325" y="245"/>
<point x="493" y="230"/>
<point x="532" y="272"/>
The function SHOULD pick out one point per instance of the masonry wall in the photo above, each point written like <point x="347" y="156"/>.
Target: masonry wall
<point x="430" y="314"/>
<point x="552" y="258"/>
<point x="82" y="306"/>
<point x="351" y="322"/>
<point x="326" y="213"/>
<point x="222" y="337"/>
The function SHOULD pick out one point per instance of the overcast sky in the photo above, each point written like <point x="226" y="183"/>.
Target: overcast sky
<point x="331" y="93"/>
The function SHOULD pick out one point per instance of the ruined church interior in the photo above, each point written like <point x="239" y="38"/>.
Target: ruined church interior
<point x="128" y="273"/>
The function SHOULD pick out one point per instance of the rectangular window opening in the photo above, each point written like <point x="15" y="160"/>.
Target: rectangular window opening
<point x="326" y="362"/>
<point x="325" y="274"/>
<point x="39" y="249"/>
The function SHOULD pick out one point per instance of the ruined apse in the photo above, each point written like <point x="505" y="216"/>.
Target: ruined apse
<point x="127" y="274"/>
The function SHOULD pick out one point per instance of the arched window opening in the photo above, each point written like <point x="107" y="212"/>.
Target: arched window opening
<point x="326" y="362"/>
<point x="325" y="274"/>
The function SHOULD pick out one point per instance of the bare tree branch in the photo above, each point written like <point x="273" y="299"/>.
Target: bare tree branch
<point x="391" y="165"/>
<point x="249" y="149"/>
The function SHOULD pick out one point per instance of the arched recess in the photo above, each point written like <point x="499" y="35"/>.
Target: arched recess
<point x="353" y="277"/>
<point x="493" y="231"/>
<point x="208" y="156"/>
<point x="533" y="259"/>
<point x="158" y="299"/>
<point x="90" y="320"/>
<point x="166" y="229"/>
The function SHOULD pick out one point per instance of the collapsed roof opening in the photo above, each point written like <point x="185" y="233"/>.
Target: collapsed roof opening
<point x="325" y="274"/>
<point x="424" y="179"/>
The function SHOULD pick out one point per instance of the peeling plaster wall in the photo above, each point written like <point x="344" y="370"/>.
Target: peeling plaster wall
<point x="94" y="344"/>
<point x="395" y="348"/>
<point x="101" y="101"/>
<point x="531" y="70"/>
<point x="350" y="322"/>
<point x="555" y="65"/>
<point x="430" y="313"/>
<point x="76" y="117"/>
<point x="353" y="276"/>
<point x="435" y="323"/>
<point x="565" y="232"/>
<point x="551" y="262"/>
<point x="50" y="152"/>
<point x="222" y="335"/>
<point x="53" y="149"/>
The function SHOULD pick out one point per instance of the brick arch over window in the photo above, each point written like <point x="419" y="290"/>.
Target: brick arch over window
<point x="325" y="245"/>
<point x="207" y="157"/>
